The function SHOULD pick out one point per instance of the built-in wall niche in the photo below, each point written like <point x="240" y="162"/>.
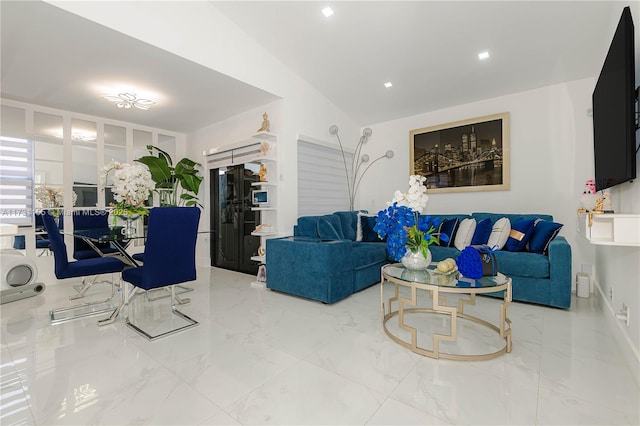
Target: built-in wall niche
<point x="141" y="139"/>
<point x="48" y="150"/>
<point x="13" y="122"/>
<point x="85" y="162"/>
<point x="168" y="145"/>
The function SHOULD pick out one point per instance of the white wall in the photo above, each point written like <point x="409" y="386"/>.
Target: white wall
<point x="551" y="157"/>
<point x="618" y="268"/>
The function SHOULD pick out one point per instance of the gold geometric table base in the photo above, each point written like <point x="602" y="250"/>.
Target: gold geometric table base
<point x="409" y="305"/>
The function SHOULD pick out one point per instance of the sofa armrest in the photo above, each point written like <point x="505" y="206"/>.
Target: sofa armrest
<point x="560" y="271"/>
<point x="319" y="270"/>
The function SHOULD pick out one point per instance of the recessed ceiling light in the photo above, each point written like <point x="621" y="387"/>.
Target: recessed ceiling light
<point x="327" y="11"/>
<point x="388" y="84"/>
<point x="483" y="55"/>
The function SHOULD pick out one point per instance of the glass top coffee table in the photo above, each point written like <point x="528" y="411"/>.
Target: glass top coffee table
<point x="437" y="286"/>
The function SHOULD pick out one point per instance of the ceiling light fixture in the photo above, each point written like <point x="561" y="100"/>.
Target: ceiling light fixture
<point x="327" y="11"/>
<point x="483" y="55"/>
<point x="129" y="100"/>
<point x="388" y="84"/>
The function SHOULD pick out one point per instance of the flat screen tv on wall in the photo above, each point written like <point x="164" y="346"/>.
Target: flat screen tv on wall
<point x="614" y="114"/>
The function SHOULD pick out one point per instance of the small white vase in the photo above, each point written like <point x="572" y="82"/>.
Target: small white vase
<point x="416" y="261"/>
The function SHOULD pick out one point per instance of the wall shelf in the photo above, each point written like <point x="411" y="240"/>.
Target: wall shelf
<point x="264" y="184"/>
<point x="610" y="229"/>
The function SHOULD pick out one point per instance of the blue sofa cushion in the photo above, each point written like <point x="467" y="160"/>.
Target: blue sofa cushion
<point x="523" y="264"/>
<point x="307" y="227"/>
<point x="482" y="232"/>
<point x="365" y="254"/>
<point x="448" y="227"/>
<point x="521" y="231"/>
<point x="543" y="232"/>
<point x="368" y="234"/>
<point x="327" y="230"/>
<point x="439" y="253"/>
<point x="348" y="224"/>
<point x="511" y="216"/>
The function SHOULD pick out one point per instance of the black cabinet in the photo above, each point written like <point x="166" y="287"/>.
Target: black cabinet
<point x="232" y="219"/>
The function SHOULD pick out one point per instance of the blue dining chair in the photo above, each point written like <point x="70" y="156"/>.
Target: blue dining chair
<point x="64" y="269"/>
<point x="90" y="219"/>
<point x="169" y="259"/>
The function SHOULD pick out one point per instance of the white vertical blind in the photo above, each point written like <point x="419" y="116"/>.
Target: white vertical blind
<point x="322" y="180"/>
<point x="16" y="180"/>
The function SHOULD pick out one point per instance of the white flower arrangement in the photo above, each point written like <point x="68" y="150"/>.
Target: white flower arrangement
<point x="51" y="197"/>
<point x="416" y="198"/>
<point x="131" y="185"/>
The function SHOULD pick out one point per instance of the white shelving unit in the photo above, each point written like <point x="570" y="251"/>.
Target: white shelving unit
<point x="268" y="214"/>
<point x="610" y="229"/>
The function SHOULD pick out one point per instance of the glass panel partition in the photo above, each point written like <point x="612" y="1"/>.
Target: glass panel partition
<point x="85" y="162"/>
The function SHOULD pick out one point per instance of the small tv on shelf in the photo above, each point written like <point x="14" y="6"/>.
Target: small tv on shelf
<point x="260" y="198"/>
<point x="614" y="110"/>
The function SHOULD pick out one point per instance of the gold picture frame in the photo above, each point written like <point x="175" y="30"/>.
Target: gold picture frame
<point x="463" y="156"/>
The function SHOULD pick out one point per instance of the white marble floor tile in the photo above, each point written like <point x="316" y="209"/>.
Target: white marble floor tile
<point x="231" y="367"/>
<point x="372" y="360"/>
<point x="463" y="393"/>
<point x="306" y="394"/>
<point x="575" y="372"/>
<point x="560" y="409"/>
<point x="14" y="402"/>
<point x="393" y="412"/>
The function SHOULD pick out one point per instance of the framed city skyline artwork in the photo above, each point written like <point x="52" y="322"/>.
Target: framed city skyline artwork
<point x="463" y="156"/>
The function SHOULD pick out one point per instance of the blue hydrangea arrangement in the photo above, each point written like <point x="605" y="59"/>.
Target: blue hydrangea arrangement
<point x="405" y="229"/>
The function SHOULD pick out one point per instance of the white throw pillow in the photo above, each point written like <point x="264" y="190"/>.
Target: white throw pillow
<point x="359" y="226"/>
<point x="465" y="233"/>
<point x="499" y="234"/>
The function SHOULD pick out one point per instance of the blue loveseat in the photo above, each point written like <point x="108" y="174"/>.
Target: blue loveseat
<point x="323" y="261"/>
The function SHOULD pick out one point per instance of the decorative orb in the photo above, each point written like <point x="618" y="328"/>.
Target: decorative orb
<point x="367" y="132"/>
<point x="364" y="158"/>
<point x="389" y="154"/>
<point x="333" y="130"/>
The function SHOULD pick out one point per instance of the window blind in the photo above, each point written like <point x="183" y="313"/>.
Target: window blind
<point x="16" y="180"/>
<point x="322" y="181"/>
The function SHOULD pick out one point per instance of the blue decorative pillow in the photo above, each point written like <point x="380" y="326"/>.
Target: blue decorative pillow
<point x="368" y="234"/>
<point x="327" y="231"/>
<point x="520" y="234"/>
<point x="448" y="227"/>
<point x="482" y="232"/>
<point x="543" y="232"/>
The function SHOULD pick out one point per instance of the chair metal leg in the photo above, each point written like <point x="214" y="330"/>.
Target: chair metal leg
<point x="83" y="310"/>
<point x="190" y="321"/>
<point x="86" y="285"/>
<point x="164" y="291"/>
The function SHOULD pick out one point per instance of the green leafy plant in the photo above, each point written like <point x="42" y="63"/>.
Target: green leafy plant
<point x="177" y="185"/>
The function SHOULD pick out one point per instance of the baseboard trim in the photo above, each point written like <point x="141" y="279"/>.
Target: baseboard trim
<point x="620" y="333"/>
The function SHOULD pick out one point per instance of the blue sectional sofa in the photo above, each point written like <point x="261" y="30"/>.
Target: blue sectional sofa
<point x="323" y="261"/>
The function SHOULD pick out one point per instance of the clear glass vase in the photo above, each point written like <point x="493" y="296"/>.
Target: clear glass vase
<point x="416" y="261"/>
<point x="129" y="230"/>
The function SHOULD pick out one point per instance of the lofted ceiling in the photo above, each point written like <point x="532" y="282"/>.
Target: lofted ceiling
<point x="54" y="58"/>
<point x="427" y="49"/>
